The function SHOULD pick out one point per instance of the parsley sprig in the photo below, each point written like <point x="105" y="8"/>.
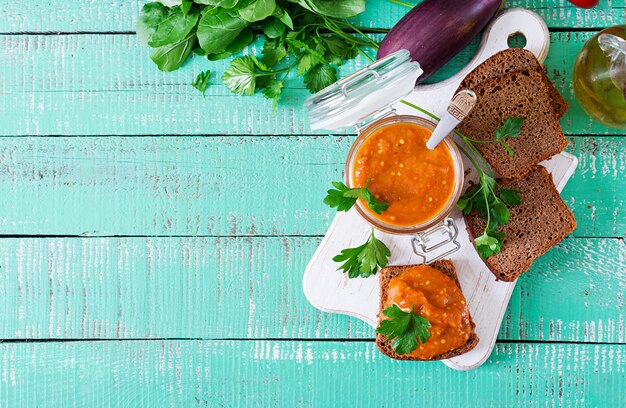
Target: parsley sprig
<point x="343" y="198"/>
<point x="483" y="199"/>
<point x="364" y="261"/>
<point x="512" y="127"/>
<point x="404" y="328"/>
<point x="487" y="198"/>
<point x="201" y="81"/>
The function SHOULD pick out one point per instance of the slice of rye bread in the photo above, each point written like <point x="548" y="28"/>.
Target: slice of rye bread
<point x="516" y="94"/>
<point x="537" y="224"/>
<point x="389" y="272"/>
<point x="514" y="60"/>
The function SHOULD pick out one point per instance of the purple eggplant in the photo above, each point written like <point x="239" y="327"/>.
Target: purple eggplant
<point x="434" y="31"/>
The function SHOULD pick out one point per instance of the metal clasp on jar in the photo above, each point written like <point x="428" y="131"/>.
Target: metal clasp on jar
<point x="436" y="242"/>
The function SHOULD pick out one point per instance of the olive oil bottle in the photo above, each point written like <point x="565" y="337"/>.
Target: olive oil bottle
<point x="600" y="77"/>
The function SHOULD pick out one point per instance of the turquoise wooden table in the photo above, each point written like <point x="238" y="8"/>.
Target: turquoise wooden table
<point x="152" y="241"/>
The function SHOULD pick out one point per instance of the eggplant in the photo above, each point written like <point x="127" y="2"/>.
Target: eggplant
<point x="434" y="31"/>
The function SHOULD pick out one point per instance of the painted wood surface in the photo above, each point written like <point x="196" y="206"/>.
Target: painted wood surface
<point x="228" y="185"/>
<point x="107" y="85"/>
<point x="116" y="288"/>
<point x="289" y="373"/>
<point x="121" y="15"/>
<point x="121" y="220"/>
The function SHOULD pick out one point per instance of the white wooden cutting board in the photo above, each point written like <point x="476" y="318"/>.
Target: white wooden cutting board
<point x="331" y="291"/>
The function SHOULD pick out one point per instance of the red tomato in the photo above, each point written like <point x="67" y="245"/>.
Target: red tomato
<point x="584" y="3"/>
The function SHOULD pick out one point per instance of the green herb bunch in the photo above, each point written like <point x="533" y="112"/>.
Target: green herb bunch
<point x="311" y="37"/>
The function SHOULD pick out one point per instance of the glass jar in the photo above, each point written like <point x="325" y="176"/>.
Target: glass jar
<point x="599" y="77"/>
<point x="437" y="218"/>
<point x="363" y="101"/>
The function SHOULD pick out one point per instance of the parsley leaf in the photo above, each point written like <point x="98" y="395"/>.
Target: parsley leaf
<point x="273" y="51"/>
<point x="319" y="77"/>
<point x="273" y="90"/>
<point x="240" y="77"/>
<point x="511" y="128"/>
<point x="404" y="328"/>
<point x="510" y="196"/>
<point x="364" y="260"/>
<point x="489" y="243"/>
<point x="202" y="80"/>
<point x="343" y="198"/>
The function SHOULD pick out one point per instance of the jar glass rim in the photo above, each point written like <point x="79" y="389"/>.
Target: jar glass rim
<point x="458" y="175"/>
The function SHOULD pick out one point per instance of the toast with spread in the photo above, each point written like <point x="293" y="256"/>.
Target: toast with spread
<point x="443" y="327"/>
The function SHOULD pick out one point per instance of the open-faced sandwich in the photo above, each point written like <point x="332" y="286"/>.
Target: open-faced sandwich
<point x="423" y="313"/>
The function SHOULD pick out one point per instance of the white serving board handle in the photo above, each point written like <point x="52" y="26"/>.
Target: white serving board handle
<point x="331" y="291"/>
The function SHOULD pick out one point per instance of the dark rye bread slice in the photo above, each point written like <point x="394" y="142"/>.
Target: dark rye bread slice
<point x="514" y="60"/>
<point x="516" y="94"/>
<point x="389" y="272"/>
<point x="540" y="222"/>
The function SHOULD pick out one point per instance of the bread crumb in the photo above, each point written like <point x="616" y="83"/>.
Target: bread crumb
<point x="401" y="141"/>
<point x="443" y="341"/>
<point x="401" y="165"/>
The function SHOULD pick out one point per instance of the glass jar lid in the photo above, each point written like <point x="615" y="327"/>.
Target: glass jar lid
<point x="365" y="93"/>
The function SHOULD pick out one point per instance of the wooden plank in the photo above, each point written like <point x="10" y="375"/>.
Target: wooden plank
<point x="106" y="84"/>
<point x="118" y="288"/>
<point x="291" y="373"/>
<point x="227" y="185"/>
<point x="121" y="16"/>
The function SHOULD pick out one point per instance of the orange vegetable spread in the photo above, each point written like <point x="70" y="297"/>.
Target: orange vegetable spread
<point x="415" y="181"/>
<point x="436" y="297"/>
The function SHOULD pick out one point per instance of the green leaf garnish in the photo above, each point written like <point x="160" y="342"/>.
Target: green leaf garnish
<point x="511" y="128"/>
<point x="202" y="80"/>
<point x="343" y="198"/>
<point x="489" y="243"/>
<point x="364" y="260"/>
<point x="483" y="200"/>
<point x="404" y="328"/>
<point x="510" y="196"/>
